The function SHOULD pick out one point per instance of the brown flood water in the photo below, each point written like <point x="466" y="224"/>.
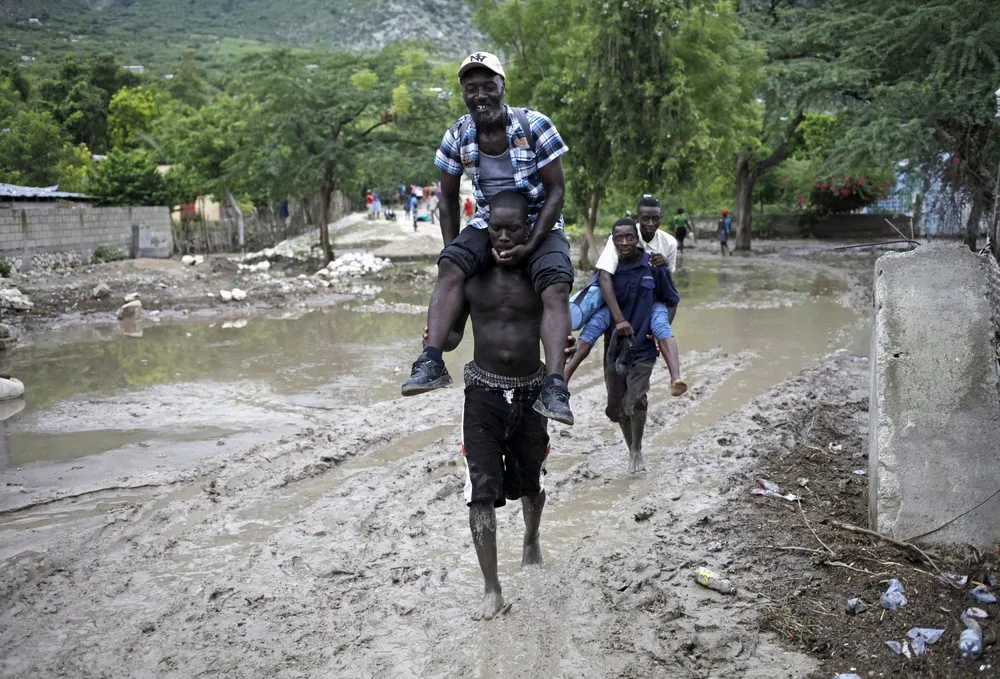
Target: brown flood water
<point x="179" y="391"/>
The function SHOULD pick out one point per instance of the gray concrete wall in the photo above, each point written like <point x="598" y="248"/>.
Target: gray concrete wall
<point x="79" y="228"/>
<point x="934" y="446"/>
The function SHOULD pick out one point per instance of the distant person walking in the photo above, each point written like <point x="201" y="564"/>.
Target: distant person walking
<point x="370" y="204"/>
<point x="468" y="209"/>
<point x="682" y="227"/>
<point x="411" y="210"/>
<point x="725" y="229"/>
<point x="377" y="206"/>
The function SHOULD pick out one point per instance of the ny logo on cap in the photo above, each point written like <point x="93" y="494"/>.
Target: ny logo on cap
<point x="478" y="57"/>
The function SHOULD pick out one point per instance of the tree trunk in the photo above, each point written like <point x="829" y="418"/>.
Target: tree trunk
<point x="994" y="228"/>
<point x="593" y="202"/>
<point x="975" y="216"/>
<point x="746" y="177"/>
<point x="744" y="200"/>
<point x="325" y="192"/>
<point x="239" y="222"/>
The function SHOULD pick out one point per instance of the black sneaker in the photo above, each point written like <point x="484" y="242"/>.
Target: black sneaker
<point x="553" y="403"/>
<point x="427" y="374"/>
<point x="626" y="355"/>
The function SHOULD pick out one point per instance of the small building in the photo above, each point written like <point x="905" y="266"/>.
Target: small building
<point x="25" y="57"/>
<point x="136" y="68"/>
<point x="12" y="196"/>
<point x="34" y="20"/>
<point x="312" y="67"/>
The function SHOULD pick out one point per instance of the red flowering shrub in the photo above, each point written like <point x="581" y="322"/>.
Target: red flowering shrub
<point x="844" y="194"/>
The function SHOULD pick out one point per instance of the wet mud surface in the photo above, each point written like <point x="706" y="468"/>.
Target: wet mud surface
<point x="339" y="546"/>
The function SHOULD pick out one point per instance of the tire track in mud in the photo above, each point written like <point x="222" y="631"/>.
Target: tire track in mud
<point x="293" y="559"/>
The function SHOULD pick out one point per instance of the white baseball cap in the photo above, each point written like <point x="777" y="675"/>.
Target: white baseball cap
<point x="482" y="60"/>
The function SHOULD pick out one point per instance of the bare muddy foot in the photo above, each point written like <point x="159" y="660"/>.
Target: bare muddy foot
<point x="532" y="554"/>
<point x="635" y="463"/>
<point x="491" y="606"/>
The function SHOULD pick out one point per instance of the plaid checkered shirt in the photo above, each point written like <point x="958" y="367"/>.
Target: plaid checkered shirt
<point x="456" y="154"/>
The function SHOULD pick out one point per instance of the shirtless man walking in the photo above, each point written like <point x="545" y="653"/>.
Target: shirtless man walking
<point x="505" y="442"/>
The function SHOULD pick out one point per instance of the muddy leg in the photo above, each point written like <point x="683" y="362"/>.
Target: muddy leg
<point x="638" y="422"/>
<point x="532" y="508"/>
<point x="483" y="522"/>
<point x="626" y="427"/>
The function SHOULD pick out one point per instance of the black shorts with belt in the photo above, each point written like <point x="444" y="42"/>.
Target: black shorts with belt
<point x="504" y="441"/>
<point x="548" y="265"/>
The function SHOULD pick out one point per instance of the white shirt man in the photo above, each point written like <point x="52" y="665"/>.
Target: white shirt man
<point x="662" y="243"/>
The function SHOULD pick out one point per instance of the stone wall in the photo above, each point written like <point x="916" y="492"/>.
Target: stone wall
<point x="63" y="235"/>
<point x="934" y="442"/>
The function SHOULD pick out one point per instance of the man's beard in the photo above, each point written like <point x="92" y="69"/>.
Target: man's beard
<point x="489" y="117"/>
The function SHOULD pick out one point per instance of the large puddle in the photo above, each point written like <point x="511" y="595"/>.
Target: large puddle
<point x="182" y="389"/>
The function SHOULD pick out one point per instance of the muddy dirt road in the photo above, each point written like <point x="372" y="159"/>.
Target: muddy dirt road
<point x="339" y="546"/>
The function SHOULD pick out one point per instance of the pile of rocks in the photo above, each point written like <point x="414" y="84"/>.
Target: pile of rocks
<point x="298" y="249"/>
<point x="49" y="261"/>
<point x="352" y="265"/>
<point x="261" y="266"/>
<point x="234" y="295"/>
<point x="12" y="298"/>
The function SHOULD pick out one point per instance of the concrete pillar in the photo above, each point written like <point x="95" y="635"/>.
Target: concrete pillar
<point x="934" y="443"/>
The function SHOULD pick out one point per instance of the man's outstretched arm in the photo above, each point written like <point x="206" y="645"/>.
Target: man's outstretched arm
<point x="449" y="206"/>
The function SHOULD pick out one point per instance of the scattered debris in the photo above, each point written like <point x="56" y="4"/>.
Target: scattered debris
<point x="899" y="648"/>
<point x="12" y="298"/>
<point x="238" y="294"/>
<point x="192" y="260"/>
<point x="855" y="607"/>
<point x="130" y="310"/>
<point x="921" y="637"/>
<point x="893" y="598"/>
<point x="953" y="579"/>
<point x="970" y="641"/>
<point x="983" y="595"/>
<point x="352" y="265"/>
<point x="770" y="489"/>
<point x="100" y="291"/>
<point x="712" y="580"/>
<point x="131" y="297"/>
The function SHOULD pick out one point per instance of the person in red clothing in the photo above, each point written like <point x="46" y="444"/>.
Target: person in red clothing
<point x="469" y="209"/>
<point x="370" y="202"/>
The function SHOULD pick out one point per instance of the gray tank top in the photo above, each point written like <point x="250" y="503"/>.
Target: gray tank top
<point x="496" y="174"/>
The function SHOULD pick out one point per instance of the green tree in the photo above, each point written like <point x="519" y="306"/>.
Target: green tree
<point x="130" y="115"/>
<point x="310" y="128"/>
<point x="32" y="149"/>
<point x="187" y="84"/>
<point x="926" y="73"/>
<point x="80" y="94"/>
<point x="647" y="93"/>
<point x="201" y="141"/>
<point x="129" y="177"/>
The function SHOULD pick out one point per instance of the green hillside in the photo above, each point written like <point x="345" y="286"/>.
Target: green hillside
<point x="152" y="33"/>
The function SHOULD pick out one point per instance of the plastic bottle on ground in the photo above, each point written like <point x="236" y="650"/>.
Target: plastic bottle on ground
<point x="714" y="581"/>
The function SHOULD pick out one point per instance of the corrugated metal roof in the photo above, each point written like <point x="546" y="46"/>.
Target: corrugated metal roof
<point x="50" y="192"/>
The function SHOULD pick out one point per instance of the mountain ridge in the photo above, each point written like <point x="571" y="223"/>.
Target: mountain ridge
<point x="139" y="31"/>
